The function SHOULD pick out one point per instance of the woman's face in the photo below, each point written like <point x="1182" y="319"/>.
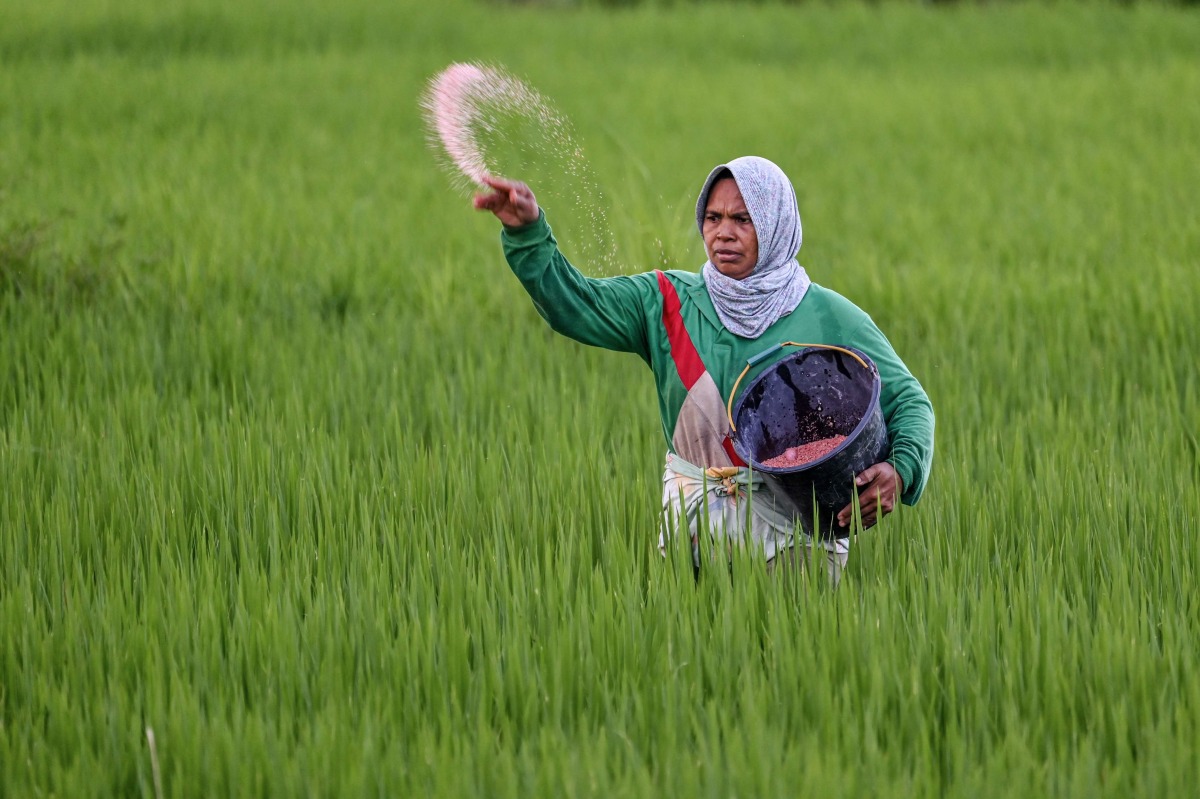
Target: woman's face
<point x="729" y="237"/>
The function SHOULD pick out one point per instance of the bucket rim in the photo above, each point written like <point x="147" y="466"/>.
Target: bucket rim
<point x="853" y="436"/>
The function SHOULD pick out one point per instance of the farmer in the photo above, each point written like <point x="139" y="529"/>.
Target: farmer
<point x="696" y="330"/>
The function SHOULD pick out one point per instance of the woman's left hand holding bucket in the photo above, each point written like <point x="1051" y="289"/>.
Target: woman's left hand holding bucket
<point x="879" y="488"/>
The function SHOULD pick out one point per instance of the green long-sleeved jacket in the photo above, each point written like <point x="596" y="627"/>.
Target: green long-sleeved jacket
<point x="626" y="314"/>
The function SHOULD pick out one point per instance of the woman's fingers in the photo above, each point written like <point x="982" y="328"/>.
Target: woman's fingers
<point x="878" y="488"/>
<point x="502" y="192"/>
<point x="515" y="189"/>
<point x="510" y="200"/>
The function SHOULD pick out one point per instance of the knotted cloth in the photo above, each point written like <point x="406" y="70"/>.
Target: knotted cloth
<point x="749" y="306"/>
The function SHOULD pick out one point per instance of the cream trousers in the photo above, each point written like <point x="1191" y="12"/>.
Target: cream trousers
<point x="724" y="507"/>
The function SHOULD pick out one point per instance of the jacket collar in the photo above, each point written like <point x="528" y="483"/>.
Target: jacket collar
<point x="698" y="293"/>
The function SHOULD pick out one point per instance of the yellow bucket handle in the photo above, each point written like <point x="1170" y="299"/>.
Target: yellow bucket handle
<point x="762" y="356"/>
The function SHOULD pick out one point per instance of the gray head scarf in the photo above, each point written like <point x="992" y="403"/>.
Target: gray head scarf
<point x="773" y="290"/>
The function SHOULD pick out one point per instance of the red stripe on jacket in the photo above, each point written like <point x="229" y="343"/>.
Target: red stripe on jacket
<point x="683" y="352"/>
<point x="727" y="445"/>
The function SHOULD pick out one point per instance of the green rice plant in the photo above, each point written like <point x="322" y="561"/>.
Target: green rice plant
<point x="301" y="497"/>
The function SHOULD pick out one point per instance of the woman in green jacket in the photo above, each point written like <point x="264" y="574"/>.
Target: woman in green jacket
<point x="696" y="331"/>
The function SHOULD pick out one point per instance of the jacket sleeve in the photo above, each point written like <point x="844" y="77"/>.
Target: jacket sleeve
<point x="602" y="312"/>
<point x="907" y="412"/>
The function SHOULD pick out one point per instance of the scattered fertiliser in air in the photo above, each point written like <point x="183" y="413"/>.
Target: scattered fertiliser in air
<point x="461" y="106"/>
<point x="485" y="122"/>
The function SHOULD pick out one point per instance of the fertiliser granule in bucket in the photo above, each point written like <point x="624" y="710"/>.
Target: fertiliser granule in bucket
<point x="805" y="453"/>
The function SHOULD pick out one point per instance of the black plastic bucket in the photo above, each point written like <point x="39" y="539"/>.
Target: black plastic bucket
<point x="808" y="396"/>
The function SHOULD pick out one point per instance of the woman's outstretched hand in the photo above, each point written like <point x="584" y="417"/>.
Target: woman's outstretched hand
<point x="511" y="201"/>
